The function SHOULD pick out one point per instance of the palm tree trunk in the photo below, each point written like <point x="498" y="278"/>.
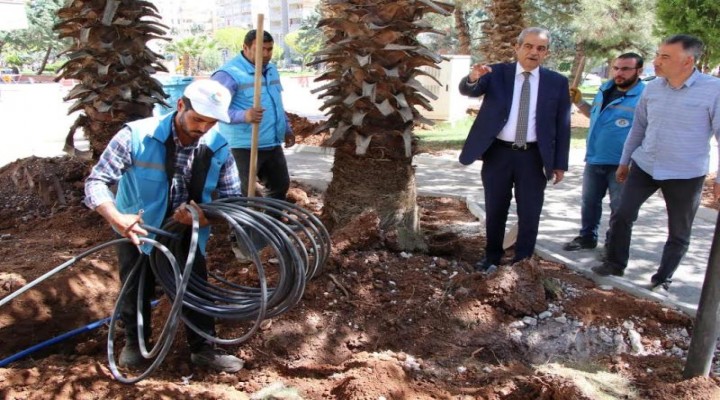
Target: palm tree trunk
<point x="186" y="64"/>
<point x="501" y="29"/>
<point x="463" y="30"/>
<point x="375" y="182"/>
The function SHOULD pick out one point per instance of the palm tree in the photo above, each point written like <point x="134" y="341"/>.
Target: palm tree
<point x="372" y="91"/>
<point x="462" y="28"/>
<point x="110" y="59"/>
<point x="188" y="50"/>
<point x="501" y="29"/>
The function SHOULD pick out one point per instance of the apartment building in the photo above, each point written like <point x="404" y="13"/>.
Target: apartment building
<point x="187" y="17"/>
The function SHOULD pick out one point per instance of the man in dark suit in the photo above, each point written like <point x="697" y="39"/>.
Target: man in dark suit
<point x="522" y="135"/>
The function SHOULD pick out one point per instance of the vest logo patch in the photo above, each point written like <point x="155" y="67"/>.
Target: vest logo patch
<point x="622" y="123"/>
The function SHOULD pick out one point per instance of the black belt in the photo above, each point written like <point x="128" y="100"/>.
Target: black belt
<point x="511" y="145"/>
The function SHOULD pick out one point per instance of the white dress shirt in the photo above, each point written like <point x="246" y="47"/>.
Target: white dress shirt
<point x="508" y="132"/>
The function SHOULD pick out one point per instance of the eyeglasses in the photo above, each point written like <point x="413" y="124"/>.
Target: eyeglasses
<point x="624" y="69"/>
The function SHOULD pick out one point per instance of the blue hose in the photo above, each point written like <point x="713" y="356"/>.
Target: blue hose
<point x="67" y="335"/>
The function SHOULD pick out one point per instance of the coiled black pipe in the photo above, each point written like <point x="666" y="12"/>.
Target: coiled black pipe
<point x="297" y="239"/>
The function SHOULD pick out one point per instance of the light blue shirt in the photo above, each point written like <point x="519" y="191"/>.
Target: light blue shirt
<point x="670" y="136"/>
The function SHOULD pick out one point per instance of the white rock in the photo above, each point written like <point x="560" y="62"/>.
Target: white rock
<point x="517" y="325"/>
<point x="530" y="321"/>
<point x="684" y="333"/>
<point x="628" y="325"/>
<point x="606" y="288"/>
<point x="487" y="370"/>
<point x="411" y="364"/>
<point x="516" y="336"/>
<point x="636" y="342"/>
<point x="545" y="315"/>
<point x="561" y="319"/>
<point x="405" y="255"/>
<point x="461" y="369"/>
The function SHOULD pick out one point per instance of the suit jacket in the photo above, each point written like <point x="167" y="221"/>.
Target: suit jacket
<point x="552" y="115"/>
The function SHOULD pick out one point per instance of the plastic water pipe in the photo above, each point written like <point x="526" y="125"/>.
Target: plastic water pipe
<point x="58" y="339"/>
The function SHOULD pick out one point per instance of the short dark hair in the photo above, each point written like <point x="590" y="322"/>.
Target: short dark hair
<point x="690" y="44"/>
<point x="251" y="35"/>
<point x="187" y="103"/>
<point x="634" y="56"/>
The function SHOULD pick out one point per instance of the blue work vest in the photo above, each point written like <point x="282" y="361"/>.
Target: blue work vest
<point x="273" y="125"/>
<point x="609" y="127"/>
<point x="145" y="185"/>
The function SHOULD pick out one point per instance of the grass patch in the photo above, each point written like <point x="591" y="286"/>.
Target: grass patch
<point x="444" y="135"/>
<point x="451" y="136"/>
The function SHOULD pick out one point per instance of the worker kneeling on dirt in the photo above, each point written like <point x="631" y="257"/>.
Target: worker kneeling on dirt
<point x="160" y="165"/>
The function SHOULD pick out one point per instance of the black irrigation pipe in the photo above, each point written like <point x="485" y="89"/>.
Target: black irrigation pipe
<point x="297" y="238"/>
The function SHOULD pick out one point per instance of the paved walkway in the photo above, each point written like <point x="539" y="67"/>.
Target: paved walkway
<point x="444" y="176"/>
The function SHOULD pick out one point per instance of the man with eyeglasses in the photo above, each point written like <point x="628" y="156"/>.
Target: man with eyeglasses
<point x="668" y="148"/>
<point x="611" y="116"/>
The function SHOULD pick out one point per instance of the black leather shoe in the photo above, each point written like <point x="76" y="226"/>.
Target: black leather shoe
<point x="580" y="243"/>
<point x="606" y="269"/>
<point x="655" y="286"/>
<point x="484" y="265"/>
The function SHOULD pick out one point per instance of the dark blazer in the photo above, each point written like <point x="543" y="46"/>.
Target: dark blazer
<point x="552" y="115"/>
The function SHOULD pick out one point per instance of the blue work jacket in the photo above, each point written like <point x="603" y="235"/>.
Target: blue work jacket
<point x="145" y="186"/>
<point x="609" y="127"/>
<point x="273" y="126"/>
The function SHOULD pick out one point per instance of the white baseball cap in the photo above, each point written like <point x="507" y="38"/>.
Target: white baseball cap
<point x="209" y="98"/>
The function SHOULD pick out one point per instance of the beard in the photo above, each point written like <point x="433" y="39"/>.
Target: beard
<point x="185" y="131"/>
<point x="626" y="83"/>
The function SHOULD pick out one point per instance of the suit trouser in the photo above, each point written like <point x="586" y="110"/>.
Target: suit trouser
<point x="682" y="199"/>
<point x="272" y="171"/>
<point x="503" y="171"/>
<point x="128" y="256"/>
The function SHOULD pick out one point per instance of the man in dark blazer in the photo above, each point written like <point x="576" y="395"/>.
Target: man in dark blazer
<point x="522" y="135"/>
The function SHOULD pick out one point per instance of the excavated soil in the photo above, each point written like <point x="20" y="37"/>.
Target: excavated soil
<point x="376" y="324"/>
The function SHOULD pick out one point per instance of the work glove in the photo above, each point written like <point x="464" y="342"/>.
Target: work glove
<point x="575" y="95"/>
